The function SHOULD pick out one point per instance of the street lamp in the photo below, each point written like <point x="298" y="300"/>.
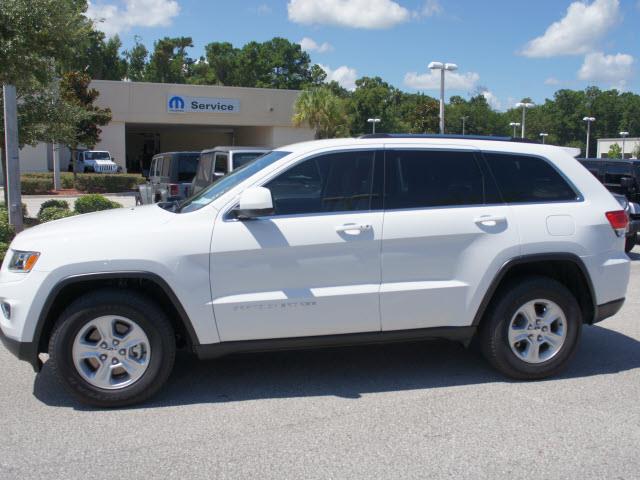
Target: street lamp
<point x="464" y="119"/>
<point x="514" y="125"/>
<point x="624" y="135"/>
<point x="373" y="122"/>
<point x="442" y="67"/>
<point x="524" y="106"/>
<point x="588" y="120"/>
<point x="544" y="137"/>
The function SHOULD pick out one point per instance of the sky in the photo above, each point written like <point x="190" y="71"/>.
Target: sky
<point x="506" y="49"/>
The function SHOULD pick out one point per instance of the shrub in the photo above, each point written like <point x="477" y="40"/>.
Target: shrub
<point x="6" y="231"/>
<point x="42" y="182"/>
<point x="54" y="213"/>
<point x="36" y="185"/>
<point x="53" y="203"/>
<point x="3" y="250"/>
<point x="94" y="203"/>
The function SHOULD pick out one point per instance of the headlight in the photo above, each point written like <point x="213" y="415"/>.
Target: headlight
<point x="23" y="261"/>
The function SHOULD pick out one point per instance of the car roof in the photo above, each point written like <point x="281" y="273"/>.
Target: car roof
<point x="497" y="144"/>
<point x="236" y="149"/>
<point x="175" y="153"/>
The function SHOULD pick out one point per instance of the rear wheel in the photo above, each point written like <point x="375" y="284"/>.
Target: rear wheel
<point x="629" y="243"/>
<point x="111" y="348"/>
<point x="532" y="329"/>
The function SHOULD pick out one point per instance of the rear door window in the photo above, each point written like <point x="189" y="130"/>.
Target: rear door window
<point x="187" y="167"/>
<point x="434" y="178"/>
<point x="528" y="179"/>
<point x="222" y="163"/>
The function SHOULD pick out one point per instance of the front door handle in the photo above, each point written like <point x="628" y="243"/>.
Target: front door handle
<point x="353" y="228"/>
<point x="490" y="220"/>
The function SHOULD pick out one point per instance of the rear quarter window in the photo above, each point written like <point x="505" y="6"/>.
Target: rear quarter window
<point x="528" y="179"/>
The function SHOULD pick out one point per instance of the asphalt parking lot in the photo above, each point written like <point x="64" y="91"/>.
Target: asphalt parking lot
<point x="428" y="410"/>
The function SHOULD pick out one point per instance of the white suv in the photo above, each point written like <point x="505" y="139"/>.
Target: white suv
<point x="507" y="245"/>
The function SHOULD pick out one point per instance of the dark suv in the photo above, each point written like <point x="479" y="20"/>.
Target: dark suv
<point x="170" y="177"/>
<point x="621" y="177"/>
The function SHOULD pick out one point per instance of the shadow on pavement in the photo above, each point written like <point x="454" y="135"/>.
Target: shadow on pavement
<point x="350" y="372"/>
<point x="634" y="256"/>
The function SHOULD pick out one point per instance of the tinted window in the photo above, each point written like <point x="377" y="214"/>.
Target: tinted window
<point x="166" y="166"/>
<point x="528" y="179"/>
<point x="422" y="178"/>
<point x="337" y="182"/>
<point x="221" y="163"/>
<point x="187" y="168"/>
<point x="240" y="159"/>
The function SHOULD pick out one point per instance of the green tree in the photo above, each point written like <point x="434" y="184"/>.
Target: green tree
<point x="169" y="62"/>
<point x="223" y="59"/>
<point x="374" y="97"/>
<point x="136" y="60"/>
<point x="615" y="151"/>
<point x="321" y="110"/>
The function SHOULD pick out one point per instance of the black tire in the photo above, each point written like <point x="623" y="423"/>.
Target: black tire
<point x="135" y="307"/>
<point x="629" y="243"/>
<point x="494" y="328"/>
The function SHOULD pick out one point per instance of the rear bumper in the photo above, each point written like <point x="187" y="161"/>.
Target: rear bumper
<point x="607" y="310"/>
<point x="26" y="351"/>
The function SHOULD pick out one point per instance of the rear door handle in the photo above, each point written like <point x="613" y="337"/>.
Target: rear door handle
<point x="490" y="220"/>
<point x="353" y="228"/>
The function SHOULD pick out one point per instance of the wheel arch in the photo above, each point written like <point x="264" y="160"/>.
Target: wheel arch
<point x="146" y="283"/>
<point x="567" y="268"/>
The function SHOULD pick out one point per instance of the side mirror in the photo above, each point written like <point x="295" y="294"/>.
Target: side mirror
<point x="254" y="202"/>
<point x="627" y="183"/>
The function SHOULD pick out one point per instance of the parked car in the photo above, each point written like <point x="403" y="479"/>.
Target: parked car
<point x="170" y="177"/>
<point x="510" y="246"/>
<point x="217" y="162"/>
<point x="622" y="178"/>
<point x="94" y="161"/>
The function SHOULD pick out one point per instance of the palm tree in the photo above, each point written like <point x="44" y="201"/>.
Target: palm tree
<point x="323" y="111"/>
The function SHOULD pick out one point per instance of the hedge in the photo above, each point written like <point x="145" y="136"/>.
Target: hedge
<point x="53" y="213"/>
<point x="42" y="183"/>
<point x="94" y="203"/>
<point x="60" y="204"/>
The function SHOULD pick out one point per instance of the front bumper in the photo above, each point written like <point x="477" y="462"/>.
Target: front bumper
<point x="27" y="351"/>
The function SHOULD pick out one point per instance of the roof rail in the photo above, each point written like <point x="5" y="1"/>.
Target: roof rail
<point x="456" y="137"/>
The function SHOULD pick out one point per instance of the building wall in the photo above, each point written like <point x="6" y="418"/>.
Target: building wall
<point x="629" y="145"/>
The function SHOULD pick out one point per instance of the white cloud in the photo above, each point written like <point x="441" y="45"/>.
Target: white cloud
<point x="492" y="100"/>
<point x="431" y="80"/>
<point x="370" y="14"/>
<point x="263" y="9"/>
<point x="121" y="16"/>
<point x="431" y="8"/>
<point x="578" y="32"/>
<point x="344" y="75"/>
<point x="552" y="81"/>
<point x="310" y="45"/>
<point x="614" y="70"/>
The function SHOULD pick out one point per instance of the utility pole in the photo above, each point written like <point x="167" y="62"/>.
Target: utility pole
<point x="57" y="184"/>
<point x="13" y="165"/>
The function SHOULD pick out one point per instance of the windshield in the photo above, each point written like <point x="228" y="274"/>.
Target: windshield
<point x="226" y="183"/>
<point x="242" y="158"/>
<point x="97" y="156"/>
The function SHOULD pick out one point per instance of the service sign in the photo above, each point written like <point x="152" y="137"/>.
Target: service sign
<point x="184" y="104"/>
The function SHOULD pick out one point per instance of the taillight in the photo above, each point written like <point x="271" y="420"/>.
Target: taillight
<point x="174" y="189"/>
<point x="619" y="221"/>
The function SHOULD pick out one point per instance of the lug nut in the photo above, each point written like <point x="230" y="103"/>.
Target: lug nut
<point x="103" y="345"/>
<point x="544" y="329"/>
<point x="114" y="361"/>
<point x="116" y="342"/>
<point x="103" y="357"/>
<point x="539" y="338"/>
<point x="122" y="352"/>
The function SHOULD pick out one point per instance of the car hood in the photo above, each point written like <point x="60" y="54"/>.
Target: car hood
<point x="100" y="162"/>
<point x="99" y="230"/>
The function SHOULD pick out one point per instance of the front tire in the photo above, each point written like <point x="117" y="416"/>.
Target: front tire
<point x="111" y="348"/>
<point x="532" y="329"/>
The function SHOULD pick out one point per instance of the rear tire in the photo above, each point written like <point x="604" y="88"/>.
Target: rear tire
<point x="111" y="348"/>
<point x="531" y="329"/>
<point x="629" y="243"/>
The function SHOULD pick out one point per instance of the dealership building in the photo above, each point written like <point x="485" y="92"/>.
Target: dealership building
<point x="630" y="144"/>
<point x="150" y="118"/>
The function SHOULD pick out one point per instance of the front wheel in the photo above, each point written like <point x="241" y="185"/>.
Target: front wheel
<point x="111" y="348"/>
<point x="532" y="329"/>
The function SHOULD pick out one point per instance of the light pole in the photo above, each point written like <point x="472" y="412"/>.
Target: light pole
<point x="524" y="106"/>
<point x="514" y="125"/>
<point x="373" y="122"/>
<point x="624" y="135"/>
<point x="588" y="120"/>
<point x="544" y="137"/>
<point x="464" y="120"/>
<point x="442" y="67"/>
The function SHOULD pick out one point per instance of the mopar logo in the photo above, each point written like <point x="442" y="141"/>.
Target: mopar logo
<point x="176" y="104"/>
